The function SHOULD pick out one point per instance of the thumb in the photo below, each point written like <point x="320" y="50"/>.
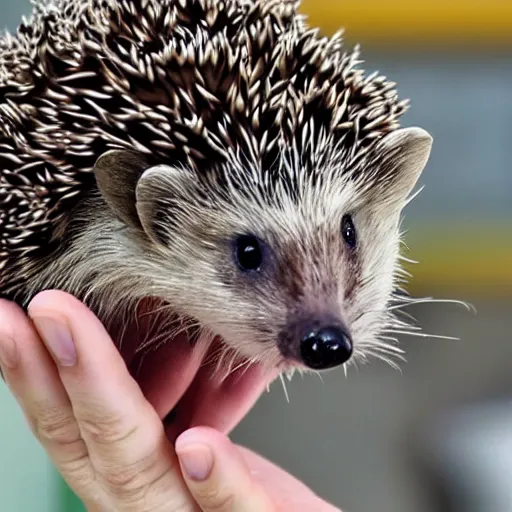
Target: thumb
<point x="217" y="474"/>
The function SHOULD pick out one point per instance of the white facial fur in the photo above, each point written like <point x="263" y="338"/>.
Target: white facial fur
<point x="308" y="271"/>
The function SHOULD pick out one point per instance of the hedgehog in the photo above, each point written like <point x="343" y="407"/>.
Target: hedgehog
<point x="219" y="157"/>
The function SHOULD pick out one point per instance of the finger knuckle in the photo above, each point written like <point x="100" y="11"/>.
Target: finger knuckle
<point x="54" y="424"/>
<point x="131" y="482"/>
<point x="215" y="500"/>
<point x="105" y="427"/>
<point x="124" y="482"/>
<point x="77" y="469"/>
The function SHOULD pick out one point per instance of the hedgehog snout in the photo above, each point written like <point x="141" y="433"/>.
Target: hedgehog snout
<point x="318" y="344"/>
<point x="326" y="348"/>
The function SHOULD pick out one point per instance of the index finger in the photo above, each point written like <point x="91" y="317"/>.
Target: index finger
<point x="123" y="433"/>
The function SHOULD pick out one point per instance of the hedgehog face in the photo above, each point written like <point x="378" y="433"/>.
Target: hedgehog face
<point x="295" y="272"/>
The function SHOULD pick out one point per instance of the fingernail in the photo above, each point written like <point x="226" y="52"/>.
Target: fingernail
<point x="8" y="353"/>
<point x="197" y="461"/>
<point x="58" y="340"/>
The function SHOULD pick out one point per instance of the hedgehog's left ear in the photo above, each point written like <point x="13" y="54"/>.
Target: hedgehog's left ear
<point x="405" y="153"/>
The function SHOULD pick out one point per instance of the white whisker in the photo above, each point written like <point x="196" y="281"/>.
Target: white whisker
<point x="281" y="378"/>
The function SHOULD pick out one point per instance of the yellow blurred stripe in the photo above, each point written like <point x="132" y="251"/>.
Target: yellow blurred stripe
<point x="469" y="260"/>
<point x="414" y="21"/>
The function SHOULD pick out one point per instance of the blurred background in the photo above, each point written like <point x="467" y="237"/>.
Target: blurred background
<point x="438" y="436"/>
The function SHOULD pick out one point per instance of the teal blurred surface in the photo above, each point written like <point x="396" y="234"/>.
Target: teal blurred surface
<point x="27" y="480"/>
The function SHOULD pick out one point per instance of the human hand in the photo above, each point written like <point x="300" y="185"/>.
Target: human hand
<point x="107" y="439"/>
<point x="103" y="429"/>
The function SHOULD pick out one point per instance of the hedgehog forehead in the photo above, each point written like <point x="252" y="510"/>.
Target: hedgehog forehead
<point x="288" y="203"/>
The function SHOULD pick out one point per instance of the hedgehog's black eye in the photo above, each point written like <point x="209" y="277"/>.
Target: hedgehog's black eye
<point x="248" y="253"/>
<point x="348" y="231"/>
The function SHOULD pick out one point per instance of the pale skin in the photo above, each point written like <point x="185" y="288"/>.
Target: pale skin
<point x="103" y="429"/>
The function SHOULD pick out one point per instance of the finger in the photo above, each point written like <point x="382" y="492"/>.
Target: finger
<point x="227" y="400"/>
<point x="165" y="374"/>
<point x="217" y="474"/>
<point x="123" y="433"/>
<point x="184" y="378"/>
<point x="34" y="381"/>
<point x="218" y="401"/>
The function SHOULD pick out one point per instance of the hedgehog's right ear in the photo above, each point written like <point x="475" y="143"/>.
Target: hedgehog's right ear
<point x="117" y="173"/>
<point x="139" y="193"/>
<point x="403" y="155"/>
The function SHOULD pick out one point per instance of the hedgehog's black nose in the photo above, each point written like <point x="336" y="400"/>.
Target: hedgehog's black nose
<point x="326" y="348"/>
